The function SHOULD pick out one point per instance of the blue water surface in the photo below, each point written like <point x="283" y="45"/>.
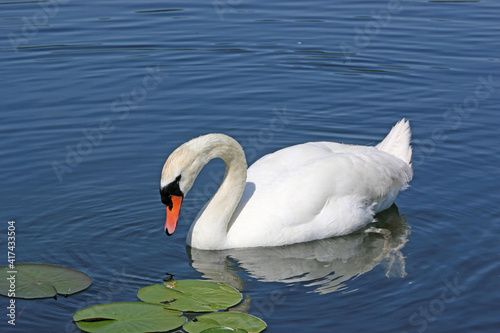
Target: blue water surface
<point x="96" y="94"/>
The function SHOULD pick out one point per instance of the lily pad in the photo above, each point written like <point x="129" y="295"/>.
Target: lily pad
<point x="191" y="295"/>
<point x="41" y="281"/>
<point x="238" y="322"/>
<point x="223" y="330"/>
<point x="130" y="317"/>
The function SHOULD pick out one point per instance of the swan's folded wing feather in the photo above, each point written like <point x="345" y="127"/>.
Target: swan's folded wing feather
<point x="315" y="188"/>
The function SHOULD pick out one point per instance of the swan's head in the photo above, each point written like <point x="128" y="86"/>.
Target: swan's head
<point x="177" y="178"/>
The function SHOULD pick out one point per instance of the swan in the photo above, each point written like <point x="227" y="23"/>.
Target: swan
<point x="301" y="193"/>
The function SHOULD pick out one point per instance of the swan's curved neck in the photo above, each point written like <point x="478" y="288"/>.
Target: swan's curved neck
<point x="209" y="230"/>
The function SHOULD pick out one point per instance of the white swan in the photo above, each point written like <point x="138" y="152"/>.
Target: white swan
<point x="300" y="193"/>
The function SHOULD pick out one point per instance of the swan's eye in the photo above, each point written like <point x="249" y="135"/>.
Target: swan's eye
<point x="165" y="197"/>
<point x="168" y="202"/>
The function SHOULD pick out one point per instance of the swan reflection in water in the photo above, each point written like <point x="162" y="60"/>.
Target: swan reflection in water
<point x="326" y="265"/>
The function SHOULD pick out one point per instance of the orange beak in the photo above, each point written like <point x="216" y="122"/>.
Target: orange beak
<point x="173" y="214"/>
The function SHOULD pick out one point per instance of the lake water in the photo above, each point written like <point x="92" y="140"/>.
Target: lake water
<point x="95" y="95"/>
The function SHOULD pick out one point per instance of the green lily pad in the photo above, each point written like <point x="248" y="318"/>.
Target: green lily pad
<point x="239" y="322"/>
<point x="128" y="317"/>
<point x="41" y="281"/>
<point x="223" y="330"/>
<point x="191" y="295"/>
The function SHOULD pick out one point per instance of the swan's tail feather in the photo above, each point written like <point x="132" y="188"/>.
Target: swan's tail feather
<point x="397" y="142"/>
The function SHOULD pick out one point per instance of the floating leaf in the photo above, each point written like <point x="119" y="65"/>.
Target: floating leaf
<point x="223" y="330"/>
<point x="128" y="317"/>
<point x="238" y="322"/>
<point x="41" y="281"/>
<point x="191" y="295"/>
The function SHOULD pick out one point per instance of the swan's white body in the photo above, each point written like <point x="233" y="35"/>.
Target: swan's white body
<point x="301" y="193"/>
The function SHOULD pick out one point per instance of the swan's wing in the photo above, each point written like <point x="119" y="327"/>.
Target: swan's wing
<point x="325" y="169"/>
<point x="313" y="188"/>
